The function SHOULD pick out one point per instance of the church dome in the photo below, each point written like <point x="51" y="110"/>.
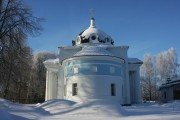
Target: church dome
<point x="92" y="35"/>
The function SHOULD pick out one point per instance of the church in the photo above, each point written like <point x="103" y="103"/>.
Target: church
<point x="93" y="68"/>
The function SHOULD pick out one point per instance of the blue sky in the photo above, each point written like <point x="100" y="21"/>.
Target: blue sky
<point x="146" y="26"/>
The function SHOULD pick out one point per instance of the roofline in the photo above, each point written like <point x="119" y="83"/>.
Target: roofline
<point x="92" y="55"/>
<point x="140" y="63"/>
<point x="171" y="82"/>
<point x="165" y="85"/>
<point x="81" y="45"/>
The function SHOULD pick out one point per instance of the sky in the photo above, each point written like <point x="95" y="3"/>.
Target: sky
<point x="146" y="26"/>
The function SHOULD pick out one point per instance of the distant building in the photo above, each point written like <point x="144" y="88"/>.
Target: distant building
<point x="93" y="68"/>
<point x="170" y="90"/>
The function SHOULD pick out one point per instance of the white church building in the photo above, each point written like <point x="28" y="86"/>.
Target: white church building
<point x="93" y="68"/>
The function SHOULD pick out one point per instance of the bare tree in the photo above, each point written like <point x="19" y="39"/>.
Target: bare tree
<point x="155" y="70"/>
<point x="16" y="22"/>
<point x="0" y="5"/>
<point x="147" y="77"/>
<point x="39" y="74"/>
<point x="167" y="64"/>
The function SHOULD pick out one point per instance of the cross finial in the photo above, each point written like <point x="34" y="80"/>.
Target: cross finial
<point x="92" y="11"/>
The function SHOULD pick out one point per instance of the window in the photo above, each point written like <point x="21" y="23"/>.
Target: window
<point x="64" y="90"/>
<point x="164" y="95"/>
<point x="75" y="70"/>
<point x="94" y="69"/>
<point x="65" y="72"/>
<point x="74" y="89"/>
<point x="113" y="90"/>
<point x="93" y="37"/>
<point x="112" y="70"/>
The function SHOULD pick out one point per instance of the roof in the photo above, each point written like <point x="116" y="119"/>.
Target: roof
<point x="134" y="61"/>
<point x="173" y="81"/>
<point x="92" y="35"/>
<point x="94" y="50"/>
<point x="52" y="61"/>
<point x="94" y="30"/>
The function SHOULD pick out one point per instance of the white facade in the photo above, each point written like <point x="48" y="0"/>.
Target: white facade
<point x="93" y="68"/>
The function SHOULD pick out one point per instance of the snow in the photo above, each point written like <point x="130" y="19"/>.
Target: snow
<point x="134" y="61"/>
<point x="94" y="50"/>
<point x="52" y="61"/>
<point x="93" y="30"/>
<point x="173" y="81"/>
<point x="89" y="31"/>
<point x="57" y="109"/>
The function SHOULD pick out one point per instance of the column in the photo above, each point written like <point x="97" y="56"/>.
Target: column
<point x="53" y="85"/>
<point x="50" y="85"/>
<point x="60" y="83"/>
<point x="127" y="90"/>
<point x="138" y="87"/>
<point x="132" y="84"/>
<point x="47" y="82"/>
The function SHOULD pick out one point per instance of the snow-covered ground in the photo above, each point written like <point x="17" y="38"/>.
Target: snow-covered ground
<point x="90" y="110"/>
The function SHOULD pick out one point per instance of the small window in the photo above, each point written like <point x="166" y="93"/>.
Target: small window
<point x="74" y="89"/>
<point x="94" y="69"/>
<point x="65" y="72"/>
<point x="164" y="95"/>
<point x="113" y="90"/>
<point x="93" y="37"/>
<point x="64" y="90"/>
<point x="112" y="70"/>
<point x="75" y="70"/>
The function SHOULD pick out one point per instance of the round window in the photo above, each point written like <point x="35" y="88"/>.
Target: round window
<point x="78" y="39"/>
<point x="93" y="37"/>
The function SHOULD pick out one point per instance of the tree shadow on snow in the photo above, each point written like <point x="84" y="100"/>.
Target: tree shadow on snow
<point x="16" y="117"/>
<point x="58" y="107"/>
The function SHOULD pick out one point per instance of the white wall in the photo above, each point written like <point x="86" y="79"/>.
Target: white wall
<point x="60" y="84"/>
<point x="119" y="51"/>
<point x="94" y="87"/>
<point x="169" y="94"/>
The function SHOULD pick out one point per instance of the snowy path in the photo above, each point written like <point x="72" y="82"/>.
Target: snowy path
<point x="90" y="110"/>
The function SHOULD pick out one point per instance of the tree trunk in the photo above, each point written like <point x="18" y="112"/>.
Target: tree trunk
<point x="6" y="91"/>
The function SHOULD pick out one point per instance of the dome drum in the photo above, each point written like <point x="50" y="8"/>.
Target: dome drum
<point x="93" y="38"/>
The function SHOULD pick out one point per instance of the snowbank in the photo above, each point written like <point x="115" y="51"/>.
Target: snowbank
<point x="5" y="103"/>
<point x="4" y="106"/>
<point x="99" y="107"/>
<point x="96" y="106"/>
<point x="90" y="110"/>
<point x="56" y="106"/>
